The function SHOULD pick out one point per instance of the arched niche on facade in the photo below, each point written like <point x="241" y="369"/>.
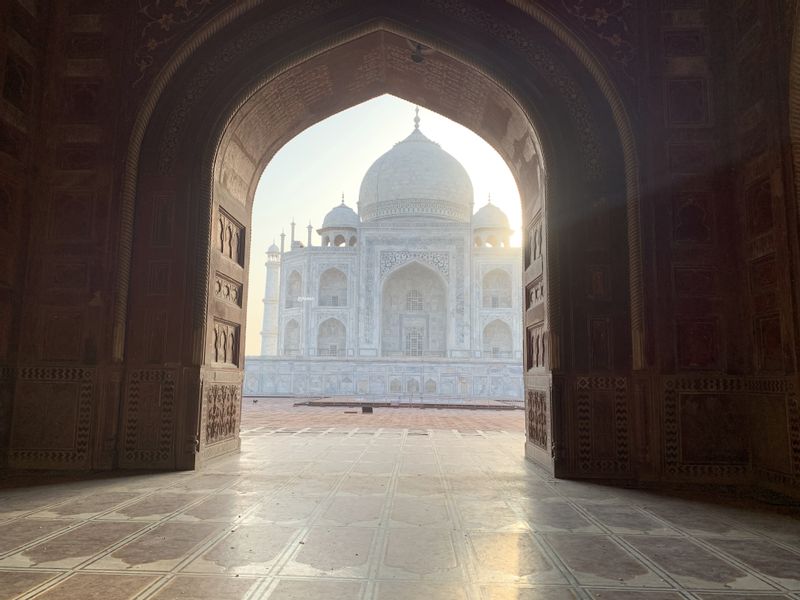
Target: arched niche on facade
<point x="414" y="312"/>
<point x="236" y="92"/>
<point x="291" y="338"/>
<point x="331" y="338"/>
<point x="496" y="289"/>
<point x="294" y="289"/>
<point x="498" y="341"/>
<point x="332" y="288"/>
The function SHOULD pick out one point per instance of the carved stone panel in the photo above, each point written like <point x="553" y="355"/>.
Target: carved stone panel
<point x="712" y="429"/>
<point x="223" y="406"/>
<point x="149" y="419"/>
<point x="52" y="418"/>
<point x="230" y="238"/>
<point x="535" y="347"/>
<point x="225" y="343"/>
<point x="687" y="102"/>
<point x="697" y="343"/>
<point x="537" y="418"/>
<point x="702" y="416"/>
<point x="228" y="290"/>
<point x="602" y="425"/>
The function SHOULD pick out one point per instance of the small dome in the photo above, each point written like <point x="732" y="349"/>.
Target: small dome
<point x="490" y="217"/>
<point x="273" y="249"/>
<point x="341" y="217"/>
<point x="416" y="178"/>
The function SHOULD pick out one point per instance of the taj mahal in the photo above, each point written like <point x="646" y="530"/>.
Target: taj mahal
<point x="412" y="297"/>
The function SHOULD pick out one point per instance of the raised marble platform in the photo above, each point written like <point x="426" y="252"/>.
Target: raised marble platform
<point x="389" y="379"/>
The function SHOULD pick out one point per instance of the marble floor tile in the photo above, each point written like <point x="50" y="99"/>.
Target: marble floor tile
<point x="24" y="531"/>
<point x="189" y="587"/>
<point x="510" y="556"/>
<point x="107" y="586"/>
<point x="554" y="516"/>
<point x="364" y="485"/>
<point x="249" y="549"/>
<point x="332" y="552"/>
<point x="309" y="589"/>
<point x="365" y="511"/>
<point x="285" y="510"/>
<point x="420" y="553"/>
<point x="74" y="546"/>
<point x="777" y="563"/>
<point x="492" y="515"/>
<point x="419" y="511"/>
<point x="159" y="549"/>
<point x="15" y="583"/>
<point x="153" y="508"/>
<point x="598" y="560"/>
<point x="735" y="596"/>
<point x="88" y="506"/>
<point x="626" y="519"/>
<point x="223" y="508"/>
<point x="633" y="595"/>
<point x="693" y="566"/>
<point x="404" y="590"/>
<point x="528" y="593"/>
<point x="419" y="485"/>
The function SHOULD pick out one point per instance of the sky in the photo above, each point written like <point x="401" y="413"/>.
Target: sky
<point x="307" y="177"/>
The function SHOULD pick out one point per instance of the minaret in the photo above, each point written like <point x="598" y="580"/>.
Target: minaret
<point x="310" y="229"/>
<point x="291" y="240"/>
<point x="269" y="325"/>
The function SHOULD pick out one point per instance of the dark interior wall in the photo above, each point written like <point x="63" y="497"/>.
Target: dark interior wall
<point x="758" y="43"/>
<point x="23" y="43"/>
<point x="63" y="181"/>
<point x="707" y="93"/>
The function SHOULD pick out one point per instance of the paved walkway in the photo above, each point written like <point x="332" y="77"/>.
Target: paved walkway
<point x="281" y="413"/>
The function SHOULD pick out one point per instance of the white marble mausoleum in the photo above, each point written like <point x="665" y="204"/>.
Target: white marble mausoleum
<point x="411" y="297"/>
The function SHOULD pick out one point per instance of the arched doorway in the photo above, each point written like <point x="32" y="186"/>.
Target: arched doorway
<point x="414" y="312"/>
<point x="204" y="146"/>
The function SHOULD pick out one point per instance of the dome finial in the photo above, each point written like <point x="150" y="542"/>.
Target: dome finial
<point x="342" y="198"/>
<point x="416" y="118"/>
<point x="490" y="197"/>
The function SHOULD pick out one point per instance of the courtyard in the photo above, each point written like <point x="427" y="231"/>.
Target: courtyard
<point x="401" y="504"/>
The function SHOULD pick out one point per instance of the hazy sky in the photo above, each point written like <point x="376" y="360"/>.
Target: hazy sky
<point x="308" y="176"/>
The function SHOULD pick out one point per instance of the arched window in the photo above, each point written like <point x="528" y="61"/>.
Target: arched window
<point x="414" y="302"/>
<point x="291" y="338"/>
<point x="497" y="289"/>
<point x="497" y="340"/>
<point x="333" y="288"/>
<point x="294" y="290"/>
<point x="332" y="338"/>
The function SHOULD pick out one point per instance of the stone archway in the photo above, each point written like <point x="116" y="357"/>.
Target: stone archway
<point x="413" y="304"/>
<point x="210" y="184"/>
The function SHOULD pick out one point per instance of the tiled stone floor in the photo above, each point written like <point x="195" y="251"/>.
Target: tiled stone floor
<point x="357" y="512"/>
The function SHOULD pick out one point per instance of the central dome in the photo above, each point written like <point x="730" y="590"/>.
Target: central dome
<point x="416" y="178"/>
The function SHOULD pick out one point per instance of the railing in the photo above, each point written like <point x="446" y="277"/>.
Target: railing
<point x="332" y="301"/>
